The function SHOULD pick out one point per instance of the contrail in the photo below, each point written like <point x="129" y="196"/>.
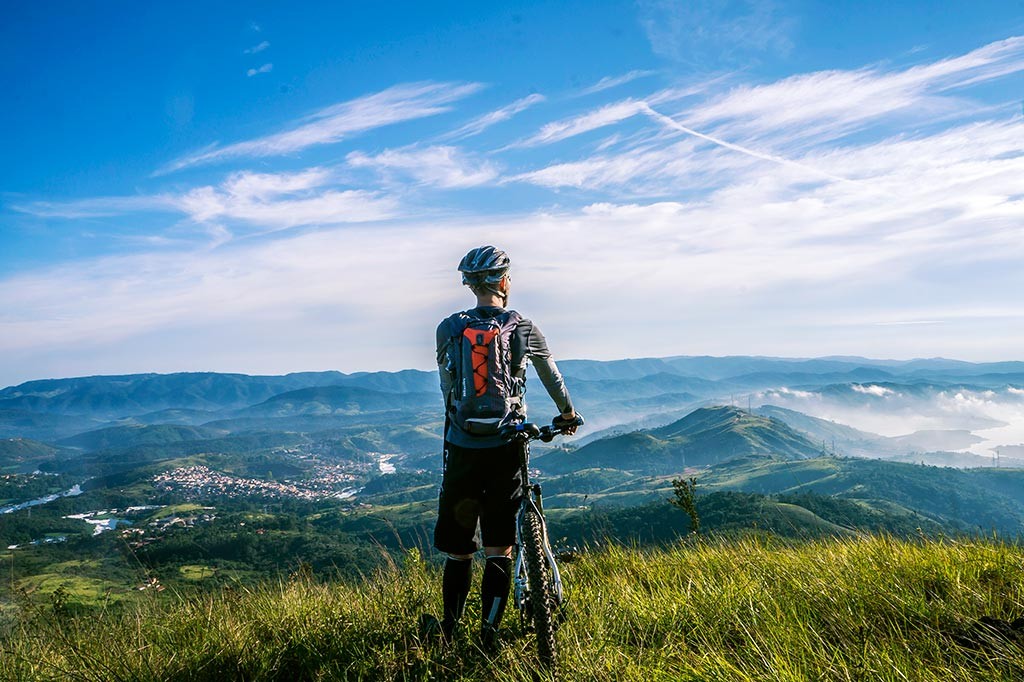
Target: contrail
<point x="672" y="123"/>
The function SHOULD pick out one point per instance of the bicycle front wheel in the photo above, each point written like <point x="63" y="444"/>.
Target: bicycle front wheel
<point x="542" y="599"/>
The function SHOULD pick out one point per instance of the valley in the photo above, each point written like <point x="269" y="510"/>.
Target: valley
<point x="194" y="482"/>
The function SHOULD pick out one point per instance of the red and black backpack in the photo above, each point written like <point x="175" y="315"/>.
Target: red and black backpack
<point x="485" y="390"/>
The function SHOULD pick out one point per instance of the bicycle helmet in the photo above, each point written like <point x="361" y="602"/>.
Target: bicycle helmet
<point x="484" y="267"/>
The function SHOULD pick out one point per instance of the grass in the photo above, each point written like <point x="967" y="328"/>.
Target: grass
<point x="869" y="608"/>
<point x="196" y="572"/>
<point x="172" y="510"/>
<point x="81" y="590"/>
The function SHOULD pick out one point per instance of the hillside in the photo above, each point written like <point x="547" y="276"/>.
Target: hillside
<point x="14" y="451"/>
<point x="42" y="426"/>
<point x="329" y="400"/>
<point x="706" y="436"/>
<point x="854" y="609"/>
<point x="972" y="500"/>
<point x="139" y="393"/>
<point x="138" y="434"/>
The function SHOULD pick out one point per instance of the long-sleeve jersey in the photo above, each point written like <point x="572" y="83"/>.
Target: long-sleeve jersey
<point x="527" y="343"/>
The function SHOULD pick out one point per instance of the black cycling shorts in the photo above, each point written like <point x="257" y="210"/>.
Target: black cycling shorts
<point x="478" y="483"/>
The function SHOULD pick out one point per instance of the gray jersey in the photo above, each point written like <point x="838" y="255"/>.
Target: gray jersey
<point x="527" y="344"/>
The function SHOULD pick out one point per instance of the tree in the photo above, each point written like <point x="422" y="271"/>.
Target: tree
<point x="684" y="497"/>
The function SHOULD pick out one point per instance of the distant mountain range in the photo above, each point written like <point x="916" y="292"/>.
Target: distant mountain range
<point x="638" y="408"/>
<point x="115" y="397"/>
<point x="129" y="395"/>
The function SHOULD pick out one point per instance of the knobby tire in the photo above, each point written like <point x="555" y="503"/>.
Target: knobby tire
<point x="542" y="599"/>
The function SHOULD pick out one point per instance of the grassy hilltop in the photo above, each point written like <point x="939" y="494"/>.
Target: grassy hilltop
<point x="748" y="609"/>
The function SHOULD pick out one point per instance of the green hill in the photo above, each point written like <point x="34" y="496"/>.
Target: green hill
<point x="117" y="396"/>
<point x="967" y="500"/>
<point x="855" y="609"/>
<point x="47" y="427"/>
<point x="17" y="450"/>
<point x="708" y="435"/>
<point x="139" y="434"/>
<point x="330" y="400"/>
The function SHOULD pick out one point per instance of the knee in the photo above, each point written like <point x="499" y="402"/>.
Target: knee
<point x="498" y="551"/>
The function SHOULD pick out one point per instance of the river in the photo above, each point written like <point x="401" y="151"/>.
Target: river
<point x="76" y="489"/>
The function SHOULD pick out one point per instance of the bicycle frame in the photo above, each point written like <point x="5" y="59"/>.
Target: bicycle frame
<point x="539" y="604"/>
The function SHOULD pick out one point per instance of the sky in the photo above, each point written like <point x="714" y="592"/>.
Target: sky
<point x="272" y="187"/>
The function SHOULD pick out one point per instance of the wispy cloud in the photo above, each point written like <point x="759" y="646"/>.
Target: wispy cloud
<point x="482" y="123"/>
<point x="708" y="34"/>
<point x="827" y="105"/>
<point x="267" y="201"/>
<point x="782" y="123"/>
<point x="609" y="82"/>
<point x="257" y="48"/>
<point x="440" y="166"/>
<point x="577" y="125"/>
<point x="266" y="68"/>
<point x="331" y="207"/>
<point x="774" y="158"/>
<point x="658" y="169"/>
<point x="332" y="124"/>
<point x="574" y="173"/>
<point x="97" y="207"/>
<point x="277" y="201"/>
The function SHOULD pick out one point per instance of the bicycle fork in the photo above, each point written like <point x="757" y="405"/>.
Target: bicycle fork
<point x="521" y="583"/>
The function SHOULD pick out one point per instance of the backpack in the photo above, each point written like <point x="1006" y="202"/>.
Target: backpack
<point x="485" y="390"/>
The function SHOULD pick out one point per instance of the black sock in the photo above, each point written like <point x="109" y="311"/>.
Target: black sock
<point x="458" y="573"/>
<point x="494" y="588"/>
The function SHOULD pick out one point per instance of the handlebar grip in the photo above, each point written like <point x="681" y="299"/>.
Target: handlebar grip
<point x="561" y="424"/>
<point x="519" y="431"/>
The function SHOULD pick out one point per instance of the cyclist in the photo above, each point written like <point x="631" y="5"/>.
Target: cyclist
<point x="481" y="470"/>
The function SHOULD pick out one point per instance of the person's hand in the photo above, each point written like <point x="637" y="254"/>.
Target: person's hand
<point x="562" y="419"/>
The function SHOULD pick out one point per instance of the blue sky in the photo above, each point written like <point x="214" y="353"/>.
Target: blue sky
<point x="271" y="187"/>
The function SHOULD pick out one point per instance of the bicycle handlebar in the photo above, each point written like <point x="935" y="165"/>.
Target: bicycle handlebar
<point x="526" y="431"/>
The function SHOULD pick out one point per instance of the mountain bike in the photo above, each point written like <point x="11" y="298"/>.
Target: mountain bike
<point x="538" y="592"/>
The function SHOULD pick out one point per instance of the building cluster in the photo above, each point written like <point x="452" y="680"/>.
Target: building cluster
<point x="139" y="537"/>
<point x="49" y="540"/>
<point x="202" y="482"/>
<point x="329" y="477"/>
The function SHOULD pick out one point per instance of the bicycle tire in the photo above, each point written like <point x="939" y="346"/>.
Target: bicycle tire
<point x="542" y="599"/>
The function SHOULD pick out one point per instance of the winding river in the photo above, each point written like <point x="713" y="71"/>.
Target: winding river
<point x="71" y="492"/>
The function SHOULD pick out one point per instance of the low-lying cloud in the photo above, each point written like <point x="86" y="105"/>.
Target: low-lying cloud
<point x="995" y="416"/>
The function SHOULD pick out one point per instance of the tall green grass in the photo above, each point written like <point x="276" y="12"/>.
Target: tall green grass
<point x="750" y="609"/>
